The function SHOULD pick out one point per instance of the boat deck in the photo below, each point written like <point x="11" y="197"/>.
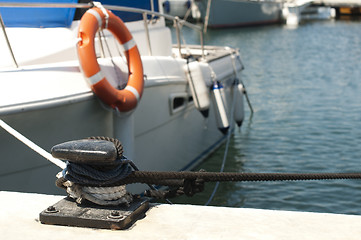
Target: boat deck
<point x="19" y="214"/>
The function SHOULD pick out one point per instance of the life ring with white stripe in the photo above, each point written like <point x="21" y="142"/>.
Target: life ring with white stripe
<point x="100" y="18"/>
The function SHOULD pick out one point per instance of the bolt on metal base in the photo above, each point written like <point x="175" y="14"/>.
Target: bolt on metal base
<point x="67" y="212"/>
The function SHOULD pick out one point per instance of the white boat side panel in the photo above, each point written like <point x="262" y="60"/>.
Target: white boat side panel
<point x="48" y="82"/>
<point x="182" y="135"/>
<point x="186" y="135"/>
<point x="170" y="67"/>
<point x="39" y="45"/>
<point x="155" y="116"/>
<point x="40" y="83"/>
<point x="160" y="38"/>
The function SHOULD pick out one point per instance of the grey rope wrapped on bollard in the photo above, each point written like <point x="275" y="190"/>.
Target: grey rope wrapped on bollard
<point x="93" y="167"/>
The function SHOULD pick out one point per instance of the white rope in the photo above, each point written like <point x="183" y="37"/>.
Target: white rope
<point x="100" y="195"/>
<point x="32" y="145"/>
<point x="105" y="190"/>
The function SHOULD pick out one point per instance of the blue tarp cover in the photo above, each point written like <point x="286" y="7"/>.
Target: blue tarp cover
<point x="126" y="16"/>
<point x="62" y="17"/>
<point x="38" y="17"/>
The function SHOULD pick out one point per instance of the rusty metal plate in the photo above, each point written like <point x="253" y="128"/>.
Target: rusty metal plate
<point x="67" y="212"/>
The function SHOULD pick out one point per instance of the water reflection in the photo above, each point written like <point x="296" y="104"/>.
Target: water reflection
<point x="305" y="87"/>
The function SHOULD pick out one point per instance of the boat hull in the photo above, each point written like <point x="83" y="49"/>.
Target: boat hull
<point x="237" y="13"/>
<point x="26" y="171"/>
<point x="157" y="136"/>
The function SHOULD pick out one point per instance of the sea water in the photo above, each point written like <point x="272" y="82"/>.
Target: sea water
<point x="304" y="84"/>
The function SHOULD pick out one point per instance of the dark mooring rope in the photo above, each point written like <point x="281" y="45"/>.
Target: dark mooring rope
<point x="161" y="177"/>
<point x="124" y="171"/>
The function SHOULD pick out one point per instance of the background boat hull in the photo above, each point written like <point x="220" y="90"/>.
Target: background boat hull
<point x="227" y="13"/>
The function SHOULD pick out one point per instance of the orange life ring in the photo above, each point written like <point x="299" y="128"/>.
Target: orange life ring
<point x="127" y="98"/>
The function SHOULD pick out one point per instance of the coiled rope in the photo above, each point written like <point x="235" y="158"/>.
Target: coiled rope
<point x="91" y="175"/>
<point x="98" y="183"/>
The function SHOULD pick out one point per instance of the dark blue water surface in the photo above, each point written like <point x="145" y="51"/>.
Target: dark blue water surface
<point x="305" y="88"/>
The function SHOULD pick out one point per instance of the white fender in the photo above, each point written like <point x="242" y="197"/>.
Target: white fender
<point x="239" y="104"/>
<point x="197" y="84"/>
<point x="219" y="108"/>
<point x="196" y="14"/>
<point x="225" y="100"/>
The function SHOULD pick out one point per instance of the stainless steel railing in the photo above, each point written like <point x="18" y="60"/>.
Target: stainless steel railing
<point x="178" y="23"/>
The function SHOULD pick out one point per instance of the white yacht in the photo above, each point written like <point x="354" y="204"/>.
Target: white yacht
<point x="72" y="70"/>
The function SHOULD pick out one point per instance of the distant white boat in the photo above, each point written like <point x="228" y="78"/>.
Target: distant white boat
<point x="318" y="13"/>
<point x="59" y="83"/>
<point x="293" y="13"/>
<point x="239" y="13"/>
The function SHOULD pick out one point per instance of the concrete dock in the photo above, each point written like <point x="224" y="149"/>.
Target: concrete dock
<point x="19" y="219"/>
<point x="328" y="3"/>
<point x="342" y="7"/>
<point x="339" y="3"/>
